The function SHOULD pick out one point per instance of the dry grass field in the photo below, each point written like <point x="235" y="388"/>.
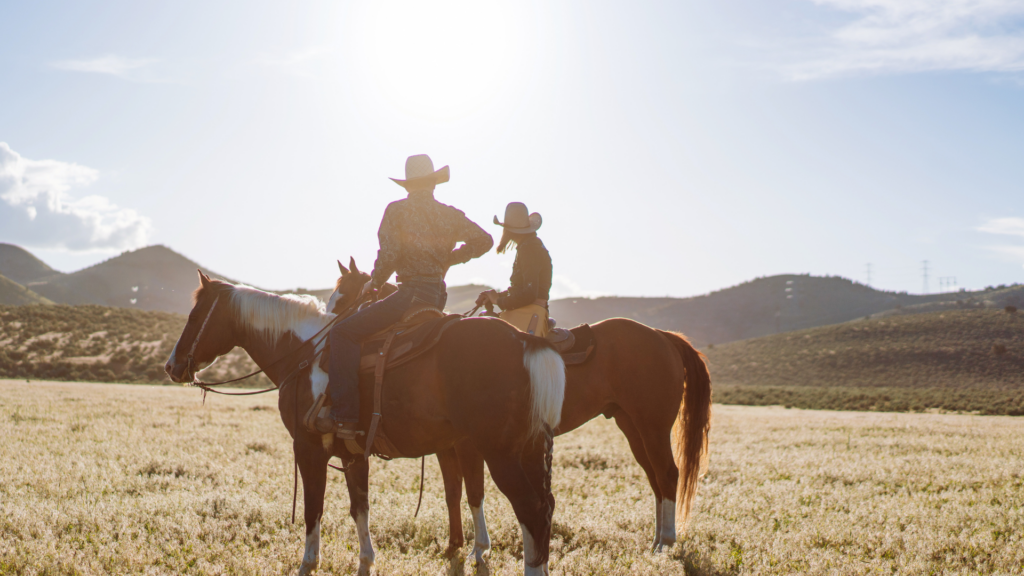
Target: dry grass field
<point x="122" y="479"/>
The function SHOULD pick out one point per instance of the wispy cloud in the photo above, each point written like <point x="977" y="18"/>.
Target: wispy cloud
<point x="302" y="62"/>
<point x="1006" y="227"/>
<point x="36" y="209"/>
<point x="127" y="68"/>
<point x="894" y="36"/>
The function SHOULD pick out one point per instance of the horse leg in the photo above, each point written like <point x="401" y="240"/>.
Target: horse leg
<point x="472" y="464"/>
<point x="357" y="477"/>
<point x="516" y="479"/>
<point x="313" y="468"/>
<point x="636" y="445"/>
<point x="452" y="476"/>
<point x="537" y="465"/>
<point x="658" y="444"/>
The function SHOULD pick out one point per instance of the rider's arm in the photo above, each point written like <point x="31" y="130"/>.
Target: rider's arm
<point x="477" y="242"/>
<point x="387" y="256"/>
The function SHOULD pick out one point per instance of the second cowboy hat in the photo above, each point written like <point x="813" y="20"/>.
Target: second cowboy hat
<point x="518" y="219"/>
<point x="419" y="173"/>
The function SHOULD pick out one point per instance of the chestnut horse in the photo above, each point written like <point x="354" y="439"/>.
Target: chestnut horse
<point x="484" y="382"/>
<point x="655" y="385"/>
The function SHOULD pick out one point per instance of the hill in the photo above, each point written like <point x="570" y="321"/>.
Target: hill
<point x="98" y="344"/>
<point x="22" y="266"/>
<point x="766" y="306"/>
<point x="963" y="360"/>
<point x="151" y="278"/>
<point x="12" y="293"/>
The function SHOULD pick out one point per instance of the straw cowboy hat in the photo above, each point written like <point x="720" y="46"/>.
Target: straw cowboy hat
<point x="518" y="219"/>
<point x="419" y="173"/>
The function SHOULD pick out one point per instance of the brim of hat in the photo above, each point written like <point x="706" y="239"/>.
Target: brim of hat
<point x="535" y="223"/>
<point x="439" y="177"/>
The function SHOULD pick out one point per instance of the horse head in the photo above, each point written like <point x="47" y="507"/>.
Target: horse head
<point x="208" y="334"/>
<point x="347" y="288"/>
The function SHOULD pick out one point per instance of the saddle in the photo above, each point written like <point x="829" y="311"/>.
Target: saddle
<point x="576" y="345"/>
<point x="419" y="330"/>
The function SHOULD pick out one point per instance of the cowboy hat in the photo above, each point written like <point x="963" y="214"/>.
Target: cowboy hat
<point x="419" y="173"/>
<point x="518" y="219"/>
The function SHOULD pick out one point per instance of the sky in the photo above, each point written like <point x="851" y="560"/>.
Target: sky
<point x="672" y="148"/>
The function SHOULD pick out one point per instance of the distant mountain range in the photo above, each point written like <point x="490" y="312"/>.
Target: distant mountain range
<point x="158" y="278"/>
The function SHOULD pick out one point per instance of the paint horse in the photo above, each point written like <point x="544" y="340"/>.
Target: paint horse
<point x="655" y="385"/>
<point x="483" y="382"/>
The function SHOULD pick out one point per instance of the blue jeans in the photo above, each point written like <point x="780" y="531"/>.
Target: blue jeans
<point x="347" y="337"/>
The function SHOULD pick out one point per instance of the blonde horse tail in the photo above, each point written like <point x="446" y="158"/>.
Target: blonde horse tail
<point x="547" y="383"/>
<point x="690" y="430"/>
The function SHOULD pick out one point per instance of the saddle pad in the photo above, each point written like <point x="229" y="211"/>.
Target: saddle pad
<point x="408" y="344"/>
<point x="583" y="349"/>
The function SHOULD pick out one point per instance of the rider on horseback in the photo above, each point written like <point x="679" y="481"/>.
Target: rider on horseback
<point x="417" y="237"/>
<point x="525" y="303"/>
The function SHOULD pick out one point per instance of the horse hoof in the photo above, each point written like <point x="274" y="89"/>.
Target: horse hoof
<point x="308" y="568"/>
<point x="364" y="566"/>
<point x="541" y="570"/>
<point x="479" y="554"/>
<point x="453" y="551"/>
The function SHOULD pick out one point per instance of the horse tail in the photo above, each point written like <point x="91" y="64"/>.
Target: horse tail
<point x="690" y="430"/>
<point x="547" y="382"/>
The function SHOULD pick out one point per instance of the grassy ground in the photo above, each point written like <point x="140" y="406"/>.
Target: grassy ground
<point x="106" y="478"/>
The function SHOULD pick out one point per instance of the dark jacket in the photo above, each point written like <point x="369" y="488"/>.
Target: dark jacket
<point x="531" y="275"/>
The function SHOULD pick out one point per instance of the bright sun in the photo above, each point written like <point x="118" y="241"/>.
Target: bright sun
<point x="442" y="60"/>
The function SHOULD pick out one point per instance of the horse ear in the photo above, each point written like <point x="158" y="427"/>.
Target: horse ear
<point x="344" y="271"/>
<point x="204" y="280"/>
<point x="352" y="264"/>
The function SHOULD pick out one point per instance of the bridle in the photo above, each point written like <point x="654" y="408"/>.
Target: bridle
<point x="190" y="365"/>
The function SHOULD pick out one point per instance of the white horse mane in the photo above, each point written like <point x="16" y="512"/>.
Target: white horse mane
<point x="274" y="315"/>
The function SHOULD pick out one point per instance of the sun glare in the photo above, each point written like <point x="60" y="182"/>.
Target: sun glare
<point x="442" y="60"/>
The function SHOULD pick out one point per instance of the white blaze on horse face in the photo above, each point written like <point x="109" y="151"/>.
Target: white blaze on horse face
<point x="366" y="555"/>
<point x="529" y="551"/>
<point x="483" y="540"/>
<point x="174" y="352"/>
<point x="311" y="558"/>
<point x="333" y="301"/>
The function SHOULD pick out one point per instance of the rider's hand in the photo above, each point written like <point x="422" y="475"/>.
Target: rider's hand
<point x="481" y="298"/>
<point x="491" y="295"/>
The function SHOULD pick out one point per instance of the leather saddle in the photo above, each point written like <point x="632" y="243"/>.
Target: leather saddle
<point x="576" y="345"/>
<point x="419" y="330"/>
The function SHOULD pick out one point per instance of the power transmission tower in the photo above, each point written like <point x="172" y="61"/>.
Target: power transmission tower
<point x="869" y="275"/>
<point x="924" y="271"/>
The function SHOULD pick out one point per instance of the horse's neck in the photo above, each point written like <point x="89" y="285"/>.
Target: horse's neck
<point x="267" y="353"/>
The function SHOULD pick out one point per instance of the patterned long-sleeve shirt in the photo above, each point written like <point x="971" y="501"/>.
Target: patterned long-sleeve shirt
<point x="418" y="237"/>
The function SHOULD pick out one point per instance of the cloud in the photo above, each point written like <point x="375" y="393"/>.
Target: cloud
<point x="36" y="210"/>
<point x="127" y="68"/>
<point x="898" y="36"/>
<point x="304" y="63"/>
<point x="564" y="287"/>
<point x="1006" y="227"/>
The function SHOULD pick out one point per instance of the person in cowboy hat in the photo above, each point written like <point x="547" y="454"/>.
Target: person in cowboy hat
<point x="525" y="303"/>
<point x="417" y="237"/>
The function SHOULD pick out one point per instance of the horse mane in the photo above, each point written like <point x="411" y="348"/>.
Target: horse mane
<point x="271" y="314"/>
<point x="275" y="314"/>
